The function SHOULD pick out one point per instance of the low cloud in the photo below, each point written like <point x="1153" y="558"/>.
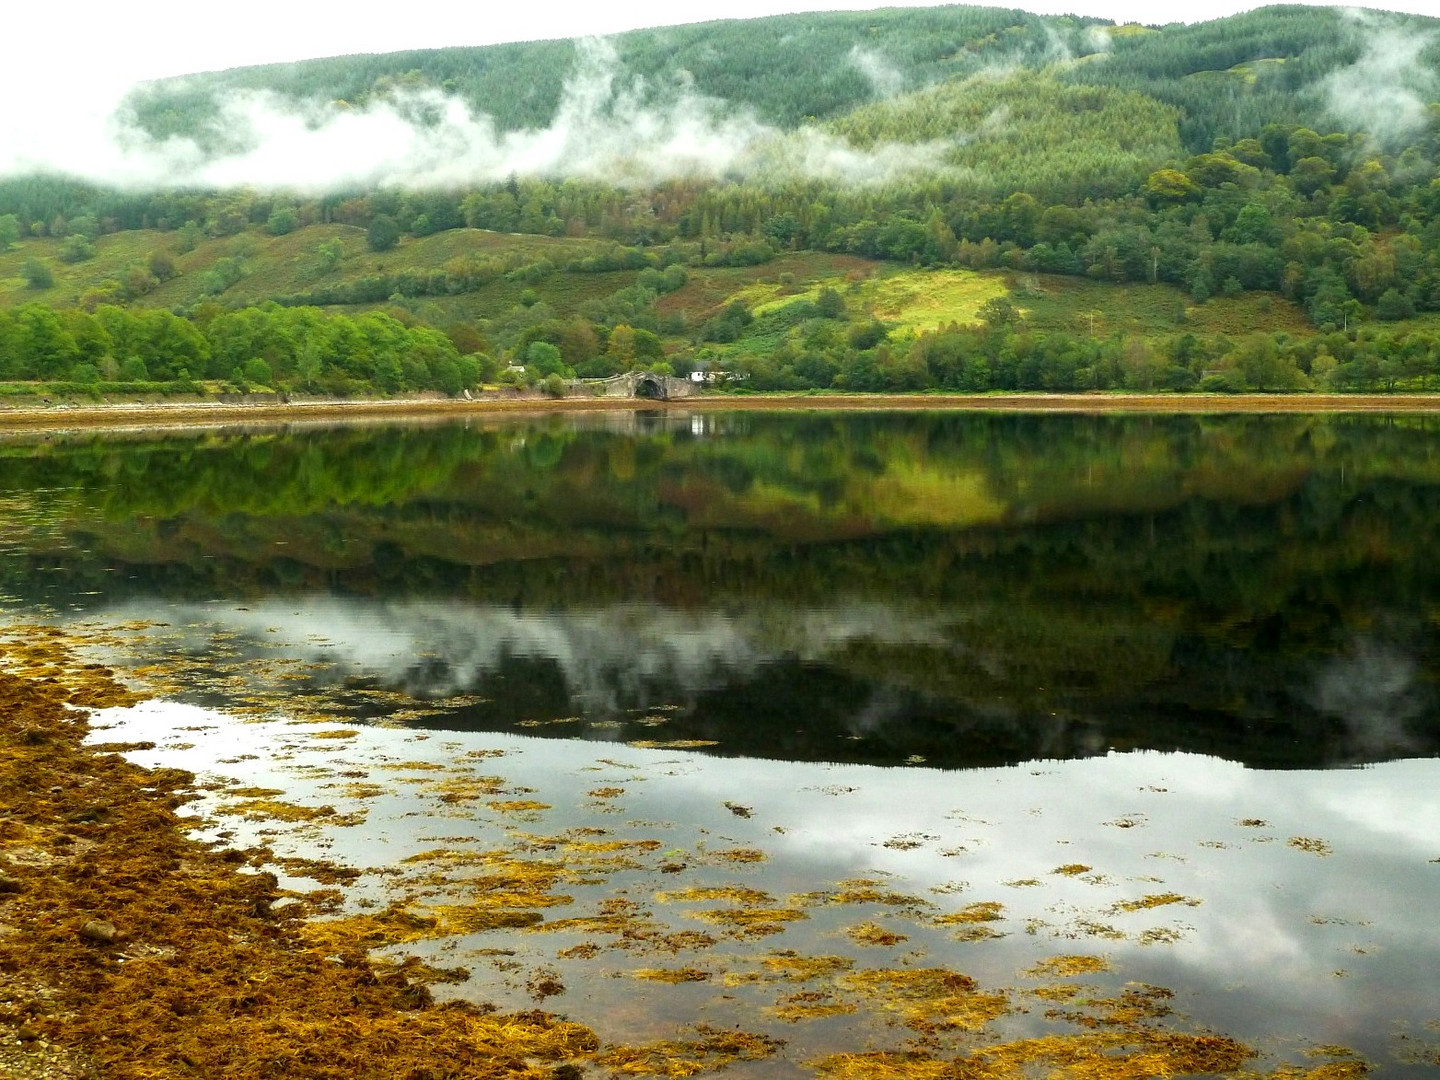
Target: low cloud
<point x="886" y="80"/>
<point x="1098" y="39"/>
<point x="1386" y="91"/>
<point x="605" y="128"/>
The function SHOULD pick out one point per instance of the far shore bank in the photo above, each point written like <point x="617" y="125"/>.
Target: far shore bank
<point x="189" y="413"/>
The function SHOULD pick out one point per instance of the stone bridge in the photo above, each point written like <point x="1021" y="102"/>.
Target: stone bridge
<point x="641" y="384"/>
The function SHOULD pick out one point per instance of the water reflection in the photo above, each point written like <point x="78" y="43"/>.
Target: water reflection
<point x="1119" y="660"/>
<point x="1262" y="928"/>
<point x="965" y="588"/>
<point x="766" y="681"/>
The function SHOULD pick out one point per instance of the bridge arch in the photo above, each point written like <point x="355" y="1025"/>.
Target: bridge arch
<point x="651" y="386"/>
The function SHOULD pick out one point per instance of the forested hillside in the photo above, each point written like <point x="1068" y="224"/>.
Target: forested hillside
<point x="954" y="197"/>
<point x="787" y="69"/>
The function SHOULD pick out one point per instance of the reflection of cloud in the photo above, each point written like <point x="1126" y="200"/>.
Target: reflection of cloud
<point x="1252" y="961"/>
<point x="611" y="658"/>
<point x="896" y="666"/>
<point x="1375" y="691"/>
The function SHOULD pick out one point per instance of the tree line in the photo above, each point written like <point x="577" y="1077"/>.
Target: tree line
<point x="806" y="344"/>
<point x="115" y="349"/>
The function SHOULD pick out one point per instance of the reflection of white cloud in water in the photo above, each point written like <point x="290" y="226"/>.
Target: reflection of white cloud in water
<point x="603" y="129"/>
<point x="609" y="657"/>
<point x="1375" y="690"/>
<point x="639" y="655"/>
<point x="1250" y="945"/>
<point x="1251" y="960"/>
<point x="636" y="656"/>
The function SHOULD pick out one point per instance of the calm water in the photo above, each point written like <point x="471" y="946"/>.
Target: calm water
<point x="1194" y="658"/>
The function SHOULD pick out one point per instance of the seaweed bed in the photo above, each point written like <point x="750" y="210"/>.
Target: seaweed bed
<point x="130" y="950"/>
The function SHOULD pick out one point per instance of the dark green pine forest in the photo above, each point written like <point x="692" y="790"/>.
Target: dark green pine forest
<point x="954" y="198"/>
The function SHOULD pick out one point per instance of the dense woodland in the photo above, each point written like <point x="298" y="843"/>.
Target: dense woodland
<point x="1291" y="153"/>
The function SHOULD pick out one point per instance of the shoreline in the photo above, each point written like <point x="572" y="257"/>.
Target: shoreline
<point x="134" y="951"/>
<point x="130" y="949"/>
<point x="162" y="414"/>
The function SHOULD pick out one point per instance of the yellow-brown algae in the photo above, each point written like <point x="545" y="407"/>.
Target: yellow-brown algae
<point x="1153" y="900"/>
<point x="794" y="966"/>
<point x="1066" y="967"/>
<point x="276" y="810"/>
<point x="362" y="791"/>
<point x="927" y="999"/>
<point x="517" y="806"/>
<point x="321" y="870"/>
<point x="253" y="792"/>
<point x="1333" y="1070"/>
<point x="459" y="919"/>
<point x="465" y="788"/>
<point x="731" y="894"/>
<point x="809" y="1005"/>
<point x="1160" y="935"/>
<point x="412" y="766"/>
<point x="869" y="933"/>
<point x="981" y="912"/>
<point x="203" y="976"/>
<point x="710" y="1049"/>
<point x="1140" y="1055"/>
<point x="750" y="922"/>
<point x="671" y="975"/>
<point x="737" y="855"/>
<point x="871" y="891"/>
<point x="1133" y="1006"/>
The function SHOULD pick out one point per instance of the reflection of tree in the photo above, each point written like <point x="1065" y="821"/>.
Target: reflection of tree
<point x="1129" y="563"/>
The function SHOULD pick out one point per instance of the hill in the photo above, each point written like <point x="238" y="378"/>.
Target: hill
<point x="1229" y="77"/>
<point x="952" y="197"/>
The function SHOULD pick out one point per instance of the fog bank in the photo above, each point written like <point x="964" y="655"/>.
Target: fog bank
<point x="605" y="129"/>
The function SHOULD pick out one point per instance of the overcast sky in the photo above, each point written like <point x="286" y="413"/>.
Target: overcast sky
<point x="100" y="40"/>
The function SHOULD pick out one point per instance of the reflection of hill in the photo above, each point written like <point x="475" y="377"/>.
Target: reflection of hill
<point x="1205" y="584"/>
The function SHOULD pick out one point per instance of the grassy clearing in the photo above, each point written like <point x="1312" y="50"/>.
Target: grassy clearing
<point x="112" y="255"/>
<point x="921" y="300"/>
<point x="276" y="266"/>
<point x="762" y="288"/>
<point x="1080" y="306"/>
